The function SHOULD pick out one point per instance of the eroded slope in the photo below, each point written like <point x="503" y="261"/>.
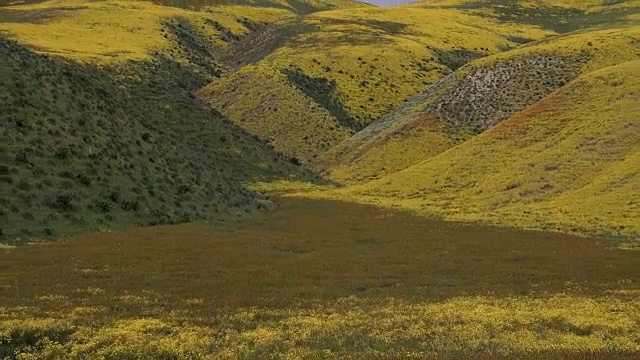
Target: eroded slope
<point x="569" y="162"/>
<point x="475" y="98"/>
<point x="338" y="71"/>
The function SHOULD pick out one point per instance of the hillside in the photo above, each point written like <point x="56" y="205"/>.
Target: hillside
<point x="438" y="153"/>
<point x="359" y="92"/>
<point x="102" y="130"/>
<point x="475" y="98"/>
<point x="569" y="162"/>
<point x="120" y="31"/>
<point x="306" y="84"/>
<point x="560" y="16"/>
<point x="294" y="6"/>
<point x="319" y="179"/>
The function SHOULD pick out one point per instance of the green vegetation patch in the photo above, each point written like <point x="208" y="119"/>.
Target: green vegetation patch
<point x="91" y="147"/>
<point x="455" y="59"/>
<point x="195" y="47"/>
<point x="323" y="91"/>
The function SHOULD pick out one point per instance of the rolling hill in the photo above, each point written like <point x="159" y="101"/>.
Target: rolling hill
<point x="568" y="162"/>
<point x="560" y="16"/>
<point x="100" y="128"/>
<point x="338" y="71"/>
<point x="574" y="146"/>
<point x="148" y="113"/>
<point x="209" y="168"/>
<point x="475" y="98"/>
<point x="118" y="31"/>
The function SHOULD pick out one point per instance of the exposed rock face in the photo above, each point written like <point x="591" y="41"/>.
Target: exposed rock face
<point x="489" y="94"/>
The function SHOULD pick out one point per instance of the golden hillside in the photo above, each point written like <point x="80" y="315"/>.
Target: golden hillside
<point x="562" y="16"/>
<point x="308" y="83"/>
<point x="118" y="30"/>
<point x="313" y="179"/>
<point x="478" y="96"/>
<point x="357" y="91"/>
<point x="569" y="162"/>
<point x="111" y="31"/>
<point x="429" y="157"/>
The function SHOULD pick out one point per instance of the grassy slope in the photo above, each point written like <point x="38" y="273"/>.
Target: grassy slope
<point x="323" y="77"/>
<point x="304" y="6"/>
<point x="109" y="135"/>
<point x="561" y="16"/>
<point x="117" y="31"/>
<point x="476" y="97"/>
<point x="291" y="70"/>
<point x="569" y="162"/>
<point x="112" y="31"/>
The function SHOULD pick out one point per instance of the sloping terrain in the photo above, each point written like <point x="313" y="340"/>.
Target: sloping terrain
<point x="569" y="162"/>
<point x="94" y="141"/>
<point x="296" y="6"/>
<point x="306" y="84"/>
<point x="119" y="114"/>
<point x="561" y="16"/>
<point x="118" y="31"/>
<point x="361" y="93"/>
<point x="421" y="128"/>
<point x="475" y="98"/>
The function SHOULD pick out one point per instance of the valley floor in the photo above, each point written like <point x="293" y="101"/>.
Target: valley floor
<point x="320" y="279"/>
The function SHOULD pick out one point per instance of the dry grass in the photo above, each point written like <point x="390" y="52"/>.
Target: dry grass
<point x="320" y="279"/>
